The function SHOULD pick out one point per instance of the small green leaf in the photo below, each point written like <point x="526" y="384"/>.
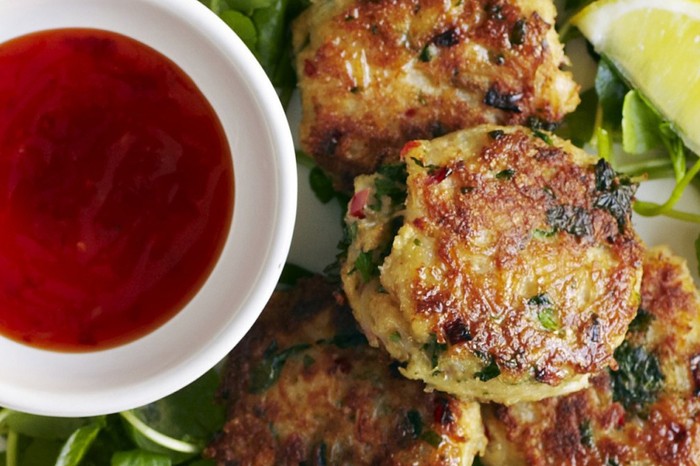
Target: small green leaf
<point x="321" y="185"/>
<point x="640" y="125"/>
<point x="579" y="126"/>
<point x="638" y="380"/>
<point x="243" y="26"/>
<point x="267" y="371"/>
<point x="432" y="438"/>
<point x="611" y="91"/>
<point x="78" y="444"/>
<point x="490" y="371"/>
<point x="365" y="265"/>
<point x="586" y="433"/>
<point x="548" y="319"/>
<point x="292" y="273"/>
<point x="44" y="427"/>
<point x="506" y="174"/>
<point x="140" y="458"/>
<point x="641" y="322"/>
<point x="433" y="350"/>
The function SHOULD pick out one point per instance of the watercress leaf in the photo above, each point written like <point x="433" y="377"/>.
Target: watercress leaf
<point x="248" y="6"/>
<point x="292" y="273"/>
<point x="321" y="185"/>
<point x="191" y="415"/>
<point x="44" y="427"/>
<point x="243" y="26"/>
<point x="39" y="452"/>
<point x="217" y="6"/>
<point x="140" y="458"/>
<point x="640" y="125"/>
<point x="579" y="125"/>
<point x="272" y="28"/>
<point x="611" y="91"/>
<point x="78" y="444"/>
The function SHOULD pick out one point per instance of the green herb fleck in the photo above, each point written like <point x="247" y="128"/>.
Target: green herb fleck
<point x="541" y="234"/>
<point x="366" y="266"/>
<point x="415" y="422"/>
<point x="541" y="299"/>
<point x="348" y="340"/>
<point x="586" y="434"/>
<point x="490" y="371"/>
<point x="506" y="174"/>
<point x="638" y="380"/>
<point x="433" y="349"/>
<point x="496" y="134"/>
<point x="268" y="370"/>
<point x="426" y="54"/>
<point x="395" y="337"/>
<point x="548" y="319"/>
<point x="615" y="193"/>
<point x="432" y="438"/>
<point x="641" y="321"/>
<point x="542" y="135"/>
<point x="574" y="220"/>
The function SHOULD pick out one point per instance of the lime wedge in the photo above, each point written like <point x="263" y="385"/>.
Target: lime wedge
<point x="655" y="44"/>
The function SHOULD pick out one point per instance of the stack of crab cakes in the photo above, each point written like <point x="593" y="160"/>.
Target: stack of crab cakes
<point x="504" y="267"/>
<point x="496" y="302"/>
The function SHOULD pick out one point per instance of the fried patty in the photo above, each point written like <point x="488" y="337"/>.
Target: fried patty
<point x="510" y="272"/>
<point x="303" y="387"/>
<point x="647" y="412"/>
<point x="375" y="74"/>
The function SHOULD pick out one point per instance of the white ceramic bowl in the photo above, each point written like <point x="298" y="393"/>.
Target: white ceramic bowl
<point x="200" y="335"/>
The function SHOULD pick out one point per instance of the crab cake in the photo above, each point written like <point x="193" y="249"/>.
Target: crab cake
<point x="647" y="412"/>
<point x="375" y="74"/>
<point x="305" y="388"/>
<point x="510" y="273"/>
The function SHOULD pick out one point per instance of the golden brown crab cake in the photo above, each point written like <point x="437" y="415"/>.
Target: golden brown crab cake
<point x="514" y="272"/>
<point x="645" y="413"/>
<point x="375" y="74"/>
<point x="304" y="387"/>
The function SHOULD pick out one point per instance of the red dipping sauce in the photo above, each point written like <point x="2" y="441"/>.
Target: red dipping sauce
<point x="116" y="189"/>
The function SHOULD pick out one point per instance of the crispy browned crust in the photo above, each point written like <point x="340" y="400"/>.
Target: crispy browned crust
<point x="544" y="177"/>
<point x="334" y="402"/>
<point x="549" y="432"/>
<point x="375" y="74"/>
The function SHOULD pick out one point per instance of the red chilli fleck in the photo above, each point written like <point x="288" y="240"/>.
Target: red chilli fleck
<point x="310" y="69"/>
<point x="358" y="203"/>
<point x="409" y="146"/>
<point x="440" y="174"/>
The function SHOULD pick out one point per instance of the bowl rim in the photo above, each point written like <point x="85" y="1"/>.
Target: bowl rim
<point x="101" y="393"/>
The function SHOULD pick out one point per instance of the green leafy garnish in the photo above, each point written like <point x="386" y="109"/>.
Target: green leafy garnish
<point x="641" y="322"/>
<point x="586" y="434"/>
<point x="267" y="371"/>
<point x="638" y="380"/>
<point x="433" y="349"/>
<point x="490" y="371"/>
<point x="506" y="174"/>
<point x="366" y="266"/>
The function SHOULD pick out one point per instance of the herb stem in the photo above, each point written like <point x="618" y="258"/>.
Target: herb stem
<point x="158" y="437"/>
<point x="11" y="448"/>
<point x="651" y="208"/>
